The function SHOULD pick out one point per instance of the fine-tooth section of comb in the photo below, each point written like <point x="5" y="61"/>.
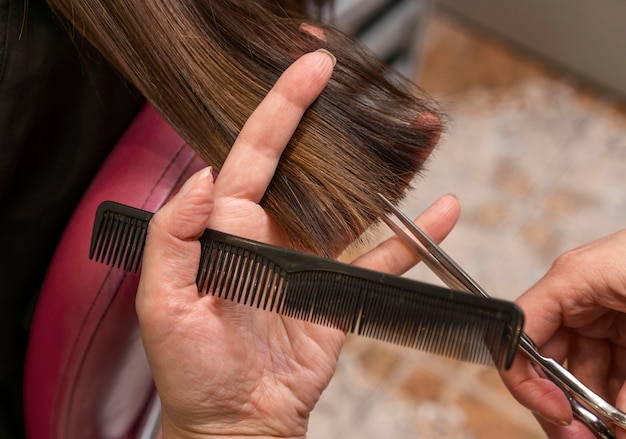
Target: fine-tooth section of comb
<point x="365" y="302"/>
<point x="305" y="287"/>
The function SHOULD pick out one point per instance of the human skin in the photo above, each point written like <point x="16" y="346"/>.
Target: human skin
<point x="223" y="369"/>
<point x="576" y="314"/>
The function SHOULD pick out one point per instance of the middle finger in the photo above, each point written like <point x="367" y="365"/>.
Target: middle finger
<point x="252" y="161"/>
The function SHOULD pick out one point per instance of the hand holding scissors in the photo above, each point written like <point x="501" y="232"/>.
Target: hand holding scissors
<point x="589" y="316"/>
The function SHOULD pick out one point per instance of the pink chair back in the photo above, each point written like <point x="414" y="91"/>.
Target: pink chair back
<point x="86" y="374"/>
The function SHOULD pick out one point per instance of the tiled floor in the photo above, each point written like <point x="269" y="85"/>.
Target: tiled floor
<point x="539" y="166"/>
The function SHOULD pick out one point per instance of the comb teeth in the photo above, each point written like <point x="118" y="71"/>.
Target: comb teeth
<point x="236" y="274"/>
<point x="431" y="319"/>
<point x="329" y="293"/>
<point x="119" y="236"/>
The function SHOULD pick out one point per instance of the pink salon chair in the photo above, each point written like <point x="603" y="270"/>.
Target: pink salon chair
<point x="86" y="374"/>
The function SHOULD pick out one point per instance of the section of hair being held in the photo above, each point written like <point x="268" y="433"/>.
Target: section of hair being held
<point x="206" y="65"/>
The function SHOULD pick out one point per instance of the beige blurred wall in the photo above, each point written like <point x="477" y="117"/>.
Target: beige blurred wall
<point x="587" y="37"/>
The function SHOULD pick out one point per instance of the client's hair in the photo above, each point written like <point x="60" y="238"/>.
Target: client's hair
<point x="206" y="65"/>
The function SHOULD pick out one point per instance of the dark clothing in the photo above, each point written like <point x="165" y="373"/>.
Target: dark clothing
<point x="61" y="111"/>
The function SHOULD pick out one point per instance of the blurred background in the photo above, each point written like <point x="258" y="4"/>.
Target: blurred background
<point x="535" y="149"/>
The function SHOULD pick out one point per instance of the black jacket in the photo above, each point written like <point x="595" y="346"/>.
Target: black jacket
<point x="61" y="111"/>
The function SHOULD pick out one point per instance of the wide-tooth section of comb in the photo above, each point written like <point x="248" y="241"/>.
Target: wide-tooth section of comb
<point x="364" y="302"/>
<point x="119" y="235"/>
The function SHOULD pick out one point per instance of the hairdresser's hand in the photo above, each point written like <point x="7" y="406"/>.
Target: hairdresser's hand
<point x="577" y="313"/>
<point x="223" y="369"/>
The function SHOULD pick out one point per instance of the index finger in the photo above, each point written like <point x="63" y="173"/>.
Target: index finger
<point x="252" y="161"/>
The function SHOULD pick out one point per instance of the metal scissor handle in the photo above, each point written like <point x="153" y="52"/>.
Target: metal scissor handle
<point x="456" y="278"/>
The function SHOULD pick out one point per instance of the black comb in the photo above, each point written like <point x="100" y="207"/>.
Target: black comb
<point x="326" y="292"/>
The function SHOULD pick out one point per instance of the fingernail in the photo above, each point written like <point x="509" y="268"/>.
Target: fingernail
<point x="332" y="57"/>
<point x="205" y="173"/>
<point x="195" y="179"/>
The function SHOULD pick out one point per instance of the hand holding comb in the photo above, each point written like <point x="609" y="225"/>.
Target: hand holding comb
<point x="298" y="285"/>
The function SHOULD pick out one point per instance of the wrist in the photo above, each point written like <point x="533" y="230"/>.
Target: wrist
<point x="172" y="435"/>
<point x="171" y="431"/>
<point x="225" y="436"/>
<point x="229" y="437"/>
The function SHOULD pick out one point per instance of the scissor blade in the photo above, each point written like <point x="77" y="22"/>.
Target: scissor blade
<point x="448" y="265"/>
<point x="425" y="256"/>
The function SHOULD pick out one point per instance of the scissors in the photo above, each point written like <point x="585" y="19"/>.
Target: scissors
<point x="581" y="398"/>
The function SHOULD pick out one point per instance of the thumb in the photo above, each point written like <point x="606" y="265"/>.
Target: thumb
<point x="186" y="215"/>
<point x="172" y="252"/>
